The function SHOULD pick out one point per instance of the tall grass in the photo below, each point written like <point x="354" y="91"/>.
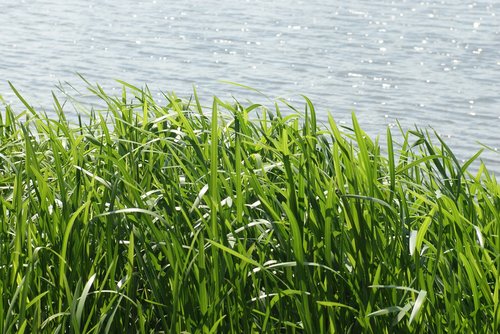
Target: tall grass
<point x="167" y="217"/>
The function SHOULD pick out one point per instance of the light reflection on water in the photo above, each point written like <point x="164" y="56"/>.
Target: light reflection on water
<point x="433" y="63"/>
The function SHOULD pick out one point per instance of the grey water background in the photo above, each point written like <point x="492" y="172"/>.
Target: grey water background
<point x="425" y="63"/>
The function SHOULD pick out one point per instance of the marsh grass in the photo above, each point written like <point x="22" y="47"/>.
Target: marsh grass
<point x="173" y="217"/>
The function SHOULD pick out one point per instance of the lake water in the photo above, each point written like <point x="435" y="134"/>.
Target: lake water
<point x="429" y="63"/>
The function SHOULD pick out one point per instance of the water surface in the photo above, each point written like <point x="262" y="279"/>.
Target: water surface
<point x="429" y="63"/>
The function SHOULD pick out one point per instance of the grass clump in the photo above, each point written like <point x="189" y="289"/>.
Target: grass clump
<point x="174" y="217"/>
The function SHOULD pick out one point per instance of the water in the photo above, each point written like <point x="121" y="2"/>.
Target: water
<point x="429" y="63"/>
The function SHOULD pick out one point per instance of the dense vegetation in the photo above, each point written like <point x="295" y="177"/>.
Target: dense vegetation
<point x="149" y="217"/>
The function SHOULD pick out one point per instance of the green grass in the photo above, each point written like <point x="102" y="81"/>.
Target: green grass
<point x="171" y="217"/>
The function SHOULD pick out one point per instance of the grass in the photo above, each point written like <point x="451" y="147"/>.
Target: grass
<point x="171" y="217"/>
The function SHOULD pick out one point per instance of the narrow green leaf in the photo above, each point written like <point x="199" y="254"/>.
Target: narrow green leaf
<point x="417" y="307"/>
